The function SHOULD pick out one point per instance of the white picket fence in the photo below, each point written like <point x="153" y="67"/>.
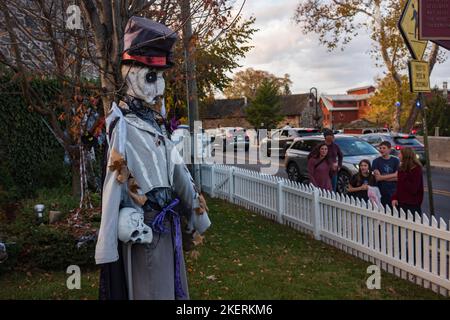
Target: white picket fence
<point x="411" y="247"/>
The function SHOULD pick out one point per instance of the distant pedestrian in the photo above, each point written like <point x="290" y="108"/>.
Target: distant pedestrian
<point x="385" y="170"/>
<point x="335" y="156"/>
<point x="319" y="167"/>
<point x="360" y="182"/>
<point x="287" y="126"/>
<point x="409" y="192"/>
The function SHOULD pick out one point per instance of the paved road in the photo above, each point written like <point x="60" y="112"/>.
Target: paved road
<point x="440" y="179"/>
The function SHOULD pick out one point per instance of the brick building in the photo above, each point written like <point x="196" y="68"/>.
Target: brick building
<point x="341" y="109"/>
<point x="231" y="112"/>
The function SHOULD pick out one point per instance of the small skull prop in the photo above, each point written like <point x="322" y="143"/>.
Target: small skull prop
<point x="144" y="83"/>
<point x="132" y="227"/>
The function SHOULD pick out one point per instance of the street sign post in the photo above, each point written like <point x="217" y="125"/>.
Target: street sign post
<point x="419" y="76"/>
<point x="409" y="28"/>
<point x="422" y="106"/>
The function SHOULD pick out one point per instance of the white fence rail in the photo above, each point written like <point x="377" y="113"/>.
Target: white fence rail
<point x="411" y="247"/>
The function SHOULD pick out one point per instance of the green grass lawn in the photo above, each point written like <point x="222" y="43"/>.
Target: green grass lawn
<point x="245" y="256"/>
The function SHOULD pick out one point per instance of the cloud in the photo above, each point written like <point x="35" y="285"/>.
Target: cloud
<point x="280" y="47"/>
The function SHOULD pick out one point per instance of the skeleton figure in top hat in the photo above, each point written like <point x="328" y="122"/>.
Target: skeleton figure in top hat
<point x="147" y="188"/>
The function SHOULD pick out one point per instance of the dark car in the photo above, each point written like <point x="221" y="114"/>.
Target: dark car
<point x="280" y="140"/>
<point x="398" y="141"/>
<point x="231" y="137"/>
<point x="353" y="149"/>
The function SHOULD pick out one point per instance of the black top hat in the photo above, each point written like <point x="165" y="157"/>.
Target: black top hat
<point x="148" y="42"/>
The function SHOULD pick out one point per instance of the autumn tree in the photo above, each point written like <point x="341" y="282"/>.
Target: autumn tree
<point x="36" y="43"/>
<point x="247" y="82"/>
<point x="215" y="60"/>
<point x="264" y="110"/>
<point x="438" y="113"/>
<point x="383" y="103"/>
<point x="338" y="22"/>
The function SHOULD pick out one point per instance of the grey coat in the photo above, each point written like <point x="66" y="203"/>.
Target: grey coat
<point x="152" y="164"/>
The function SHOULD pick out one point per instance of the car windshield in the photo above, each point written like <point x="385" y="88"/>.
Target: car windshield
<point x="355" y="147"/>
<point x="304" y="132"/>
<point x="407" y="141"/>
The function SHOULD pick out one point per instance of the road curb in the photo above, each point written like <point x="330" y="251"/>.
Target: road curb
<point x="440" y="168"/>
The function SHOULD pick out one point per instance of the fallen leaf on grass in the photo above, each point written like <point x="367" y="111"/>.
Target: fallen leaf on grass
<point x="198" y="239"/>
<point x="194" y="254"/>
<point x="391" y="290"/>
<point x="211" y="277"/>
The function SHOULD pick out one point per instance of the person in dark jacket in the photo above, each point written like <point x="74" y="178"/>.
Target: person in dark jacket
<point x="334" y="155"/>
<point x="319" y="167"/>
<point x="360" y="182"/>
<point x="409" y="192"/>
<point x="385" y="170"/>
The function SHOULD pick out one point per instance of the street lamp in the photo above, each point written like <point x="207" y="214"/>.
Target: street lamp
<point x="311" y="100"/>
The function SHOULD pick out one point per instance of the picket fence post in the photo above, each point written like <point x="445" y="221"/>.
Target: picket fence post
<point x="231" y="184"/>
<point x="316" y="213"/>
<point x="213" y="181"/>
<point x="280" y="203"/>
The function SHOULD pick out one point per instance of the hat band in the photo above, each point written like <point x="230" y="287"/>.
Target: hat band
<point x="150" y="61"/>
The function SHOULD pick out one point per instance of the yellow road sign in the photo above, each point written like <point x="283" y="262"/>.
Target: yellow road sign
<point x="419" y="76"/>
<point x="409" y="28"/>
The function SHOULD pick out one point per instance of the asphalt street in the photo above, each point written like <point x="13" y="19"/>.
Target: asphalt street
<point x="440" y="178"/>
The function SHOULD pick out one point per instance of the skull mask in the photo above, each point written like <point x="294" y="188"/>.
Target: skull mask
<point x="132" y="227"/>
<point x="144" y="83"/>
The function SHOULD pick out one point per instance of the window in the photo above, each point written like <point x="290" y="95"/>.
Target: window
<point x="355" y="147"/>
<point x="407" y="141"/>
<point x="308" y="145"/>
<point x="297" y="145"/>
<point x="285" y="133"/>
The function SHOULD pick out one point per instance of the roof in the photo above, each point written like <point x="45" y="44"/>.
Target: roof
<point x="292" y="104"/>
<point x="348" y="97"/>
<point x="224" y="108"/>
<point x="361" y="88"/>
<point x="330" y="106"/>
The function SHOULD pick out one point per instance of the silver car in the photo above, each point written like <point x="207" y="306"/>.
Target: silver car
<point x="353" y="149"/>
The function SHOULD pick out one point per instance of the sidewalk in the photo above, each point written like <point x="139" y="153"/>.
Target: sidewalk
<point x="445" y="165"/>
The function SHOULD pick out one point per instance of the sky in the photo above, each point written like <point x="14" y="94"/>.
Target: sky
<point x="280" y="47"/>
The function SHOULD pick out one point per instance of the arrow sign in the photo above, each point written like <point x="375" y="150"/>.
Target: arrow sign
<point x="409" y="28"/>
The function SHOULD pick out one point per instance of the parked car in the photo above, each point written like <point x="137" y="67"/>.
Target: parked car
<point x="181" y="138"/>
<point x="398" y="141"/>
<point x="281" y="139"/>
<point x="231" y="137"/>
<point x="353" y="149"/>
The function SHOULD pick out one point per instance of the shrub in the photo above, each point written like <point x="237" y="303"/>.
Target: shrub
<point x="49" y="247"/>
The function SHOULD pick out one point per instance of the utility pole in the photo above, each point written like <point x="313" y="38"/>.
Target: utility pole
<point x="191" y="83"/>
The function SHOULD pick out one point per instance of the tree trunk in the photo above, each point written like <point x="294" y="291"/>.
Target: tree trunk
<point x="398" y="110"/>
<point x="76" y="185"/>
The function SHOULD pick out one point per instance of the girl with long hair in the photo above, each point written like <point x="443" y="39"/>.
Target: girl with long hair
<point x="360" y="182"/>
<point x="409" y="193"/>
<point x="319" y="167"/>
